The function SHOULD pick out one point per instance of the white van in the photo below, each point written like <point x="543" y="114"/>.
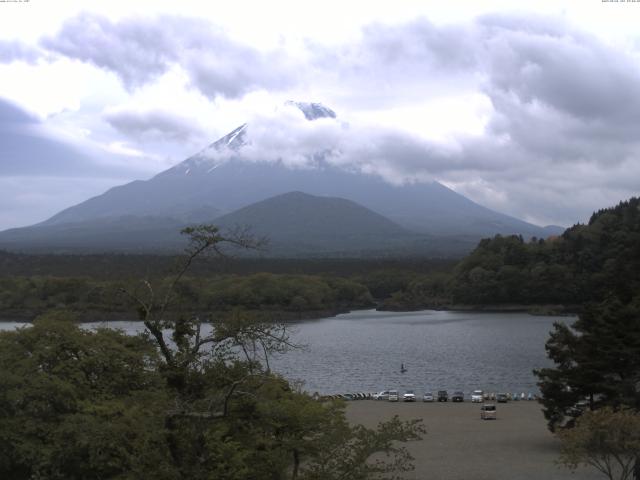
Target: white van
<point x="393" y="396"/>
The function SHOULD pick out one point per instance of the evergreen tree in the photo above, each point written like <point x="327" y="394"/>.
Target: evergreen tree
<point x="597" y="361"/>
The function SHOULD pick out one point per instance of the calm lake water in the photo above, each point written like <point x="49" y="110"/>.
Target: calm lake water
<point x="362" y="351"/>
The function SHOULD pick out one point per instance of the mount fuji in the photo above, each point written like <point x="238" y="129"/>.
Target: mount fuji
<point x="218" y="183"/>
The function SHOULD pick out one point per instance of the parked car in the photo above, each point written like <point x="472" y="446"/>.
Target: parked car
<point x="427" y="397"/>
<point x="443" y="396"/>
<point x="393" y="396"/>
<point x="488" y="411"/>
<point x="477" y="396"/>
<point x="502" y="398"/>
<point x="384" y="395"/>
<point x="409" y="396"/>
<point x="457" y="397"/>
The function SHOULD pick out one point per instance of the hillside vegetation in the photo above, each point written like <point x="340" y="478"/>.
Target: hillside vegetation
<point x="586" y="263"/>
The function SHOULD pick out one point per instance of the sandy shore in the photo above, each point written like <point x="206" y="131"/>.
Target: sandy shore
<point x="459" y="445"/>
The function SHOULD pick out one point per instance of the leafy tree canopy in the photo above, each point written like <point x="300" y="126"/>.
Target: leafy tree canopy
<point x="586" y="264"/>
<point x="605" y="439"/>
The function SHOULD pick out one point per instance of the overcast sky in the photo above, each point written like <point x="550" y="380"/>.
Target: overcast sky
<point x="532" y="111"/>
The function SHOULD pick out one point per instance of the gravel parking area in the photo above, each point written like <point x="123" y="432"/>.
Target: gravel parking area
<point x="459" y="445"/>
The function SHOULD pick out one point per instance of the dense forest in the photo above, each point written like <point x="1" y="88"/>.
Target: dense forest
<point x="92" y="285"/>
<point x="586" y="263"/>
<point x="291" y="296"/>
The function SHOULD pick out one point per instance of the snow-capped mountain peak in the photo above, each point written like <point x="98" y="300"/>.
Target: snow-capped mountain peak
<point x="313" y="111"/>
<point x="211" y="157"/>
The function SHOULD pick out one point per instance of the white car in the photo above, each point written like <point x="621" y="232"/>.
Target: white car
<point x="427" y="397"/>
<point x="477" y="396"/>
<point x="384" y="395"/>
<point x="393" y="396"/>
<point x="409" y="396"/>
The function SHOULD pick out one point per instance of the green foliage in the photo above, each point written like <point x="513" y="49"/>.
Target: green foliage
<point x="587" y="263"/>
<point x="598" y="359"/>
<point x="287" y="292"/>
<point x="350" y="452"/>
<point x="264" y="291"/>
<point x="423" y="291"/>
<point x="76" y="404"/>
<point x="606" y="439"/>
<point x="122" y="266"/>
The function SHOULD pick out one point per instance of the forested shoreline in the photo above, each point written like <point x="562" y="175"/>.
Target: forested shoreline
<point x="545" y="276"/>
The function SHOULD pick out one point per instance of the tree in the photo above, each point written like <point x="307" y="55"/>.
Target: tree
<point x="346" y="451"/>
<point x="597" y="366"/>
<point x="606" y="439"/>
<point x="76" y="404"/>
<point x="223" y="386"/>
<point x="597" y="360"/>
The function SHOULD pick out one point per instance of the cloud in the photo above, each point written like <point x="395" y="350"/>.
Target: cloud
<point x="136" y="50"/>
<point x="13" y="50"/>
<point x="569" y="70"/>
<point x="285" y="135"/>
<point x="153" y="125"/>
<point x="139" y="50"/>
<point x="418" y="47"/>
<point x="27" y="147"/>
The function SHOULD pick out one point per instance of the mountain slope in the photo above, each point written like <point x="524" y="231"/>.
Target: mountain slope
<point x="428" y="208"/>
<point x="137" y="234"/>
<point x="296" y="221"/>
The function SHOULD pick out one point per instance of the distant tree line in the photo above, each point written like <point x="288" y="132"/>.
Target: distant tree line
<point x="30" y="296"/>
<point x="112" y="266"/>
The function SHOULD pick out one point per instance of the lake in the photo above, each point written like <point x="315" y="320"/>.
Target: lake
<point x="362" y="351"/>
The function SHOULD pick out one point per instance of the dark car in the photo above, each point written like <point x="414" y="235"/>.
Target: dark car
<point x="502" y="398"/>
<point x="457" y="397"/>
<point x="443" y="396"/>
